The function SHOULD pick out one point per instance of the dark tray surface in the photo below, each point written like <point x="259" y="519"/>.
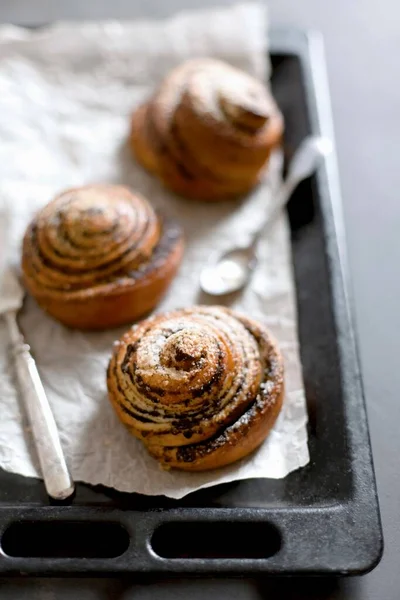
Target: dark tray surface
<point x="321" y="519"/>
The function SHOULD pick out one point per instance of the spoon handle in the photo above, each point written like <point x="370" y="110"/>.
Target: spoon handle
<point x="58" y="481"/>
<point x="303" y="164"/>
<point x="281" y="199"/>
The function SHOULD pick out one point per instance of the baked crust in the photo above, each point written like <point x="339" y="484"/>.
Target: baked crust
<point x="99" y="256"/>
<point x="208" y="131"/>
<point x="201" y="387"/>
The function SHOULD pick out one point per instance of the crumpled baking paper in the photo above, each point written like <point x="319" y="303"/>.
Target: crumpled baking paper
<point x="66" y="95"/>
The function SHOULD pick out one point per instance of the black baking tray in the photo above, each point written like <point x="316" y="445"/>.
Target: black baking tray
<point x="322" y="519"/>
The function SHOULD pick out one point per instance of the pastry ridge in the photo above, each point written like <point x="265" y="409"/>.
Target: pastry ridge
<point x="208" y="130"/>
<point x="201" y="387"/>
<point x="99" y="256"/>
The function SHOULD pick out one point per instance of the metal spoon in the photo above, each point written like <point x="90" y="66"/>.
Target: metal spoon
<point x="230" y="271"/>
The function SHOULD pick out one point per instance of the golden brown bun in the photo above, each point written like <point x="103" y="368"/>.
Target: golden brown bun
<point x="201" y="387"/>
<point x="99" y="256"/>
<point x="208" y="131"/>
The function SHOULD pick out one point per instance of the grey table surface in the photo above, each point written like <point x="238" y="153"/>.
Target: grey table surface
<point x="363" y="45"/>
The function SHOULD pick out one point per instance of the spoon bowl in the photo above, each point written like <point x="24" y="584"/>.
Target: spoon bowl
<point x="229" y="272"/>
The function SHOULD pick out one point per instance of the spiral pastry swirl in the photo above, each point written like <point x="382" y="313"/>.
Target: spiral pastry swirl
<point x="98" y="256"/>
<point x="201" y="387"/>
<point x="208" y="131"/>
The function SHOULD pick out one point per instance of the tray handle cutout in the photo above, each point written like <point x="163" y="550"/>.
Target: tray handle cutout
<point x="65" y="539"/>
<point x="216" y="540"/>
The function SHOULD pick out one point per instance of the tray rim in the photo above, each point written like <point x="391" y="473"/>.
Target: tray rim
<point x="308" y="47"/>
<point x="288" y="41"/>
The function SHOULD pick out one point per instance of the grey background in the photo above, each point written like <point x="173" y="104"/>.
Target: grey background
<point x="363" y="48"/>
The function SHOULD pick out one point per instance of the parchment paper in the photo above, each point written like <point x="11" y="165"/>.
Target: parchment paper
<point x="66" y="93"/>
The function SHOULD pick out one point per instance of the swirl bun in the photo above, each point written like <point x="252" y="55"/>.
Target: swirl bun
<point x="99" y="256"/>
<point x="201" y="387"/>
<point x="208" y="131"/>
